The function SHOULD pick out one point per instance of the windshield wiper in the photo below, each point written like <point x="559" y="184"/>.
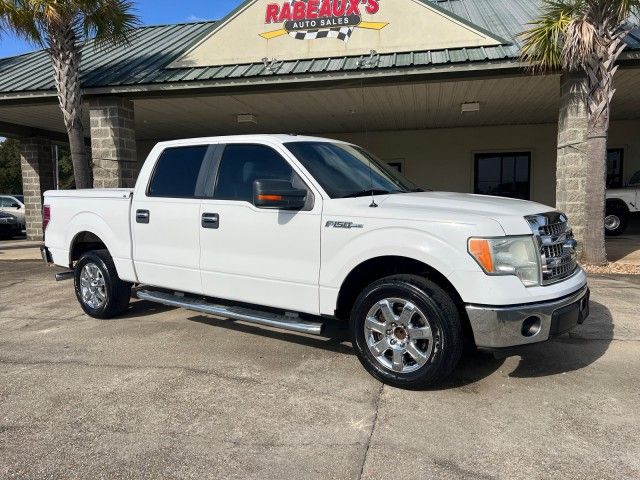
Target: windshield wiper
<point x="365" y="193"/>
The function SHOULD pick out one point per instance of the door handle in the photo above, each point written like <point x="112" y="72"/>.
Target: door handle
<point x="142" y="216"/>
<point x="211" y="220"/>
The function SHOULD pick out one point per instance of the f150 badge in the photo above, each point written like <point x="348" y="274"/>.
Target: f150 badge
<point x="344" y="225"/>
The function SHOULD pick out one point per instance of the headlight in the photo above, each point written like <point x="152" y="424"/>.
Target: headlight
<point x="508" y="256"/>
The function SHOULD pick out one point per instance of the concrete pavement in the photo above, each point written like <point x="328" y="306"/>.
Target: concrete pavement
<point x="625" y="249"/>
<point x="164" y="393"/>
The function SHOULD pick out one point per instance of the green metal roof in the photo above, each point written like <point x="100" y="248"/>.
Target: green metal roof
<point x="141" y="61"/>
<point x="145" y="59"/>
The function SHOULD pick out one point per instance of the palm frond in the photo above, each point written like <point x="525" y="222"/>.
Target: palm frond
<point x="18" y="16"/>
<point x="543" y="43"/>
<point x="581" y="42"/>
<point x="627" y="8"/>
<point x="109" y="21"/>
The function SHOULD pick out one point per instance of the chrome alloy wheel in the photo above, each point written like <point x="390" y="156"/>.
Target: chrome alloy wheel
<point x="399" y="335"/>
<point x="612" y="222"/>
<point x="92" y="286"/>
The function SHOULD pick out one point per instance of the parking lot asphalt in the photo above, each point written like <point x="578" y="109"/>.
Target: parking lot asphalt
<point x="167" y="393"/>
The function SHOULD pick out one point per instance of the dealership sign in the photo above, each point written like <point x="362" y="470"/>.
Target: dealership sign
<point x="314" y="19"/>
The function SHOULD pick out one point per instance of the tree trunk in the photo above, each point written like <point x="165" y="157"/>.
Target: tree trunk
<point x="78" y="148"/>
<point x="600" y="69"/>
<point x="594" y="251"/>
<point x="65" y="57"/>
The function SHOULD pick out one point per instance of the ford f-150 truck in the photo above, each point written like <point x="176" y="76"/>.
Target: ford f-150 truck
<point x="296" y="232"/>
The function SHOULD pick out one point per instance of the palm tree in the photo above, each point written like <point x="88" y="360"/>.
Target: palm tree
<point x="587" y="36"/>
<point x="61" y="27"/>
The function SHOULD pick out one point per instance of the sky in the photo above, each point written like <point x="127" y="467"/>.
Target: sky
<point x="151" y="12"/>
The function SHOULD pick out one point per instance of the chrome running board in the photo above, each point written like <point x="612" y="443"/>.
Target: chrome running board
<point x="259" y="317"/>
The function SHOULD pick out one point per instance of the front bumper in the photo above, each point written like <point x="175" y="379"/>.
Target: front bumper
<point x="6" y="227"/>
<point x="510" y="326"/>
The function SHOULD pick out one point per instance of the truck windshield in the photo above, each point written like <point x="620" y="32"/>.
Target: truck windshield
<point x="346" y="171"/>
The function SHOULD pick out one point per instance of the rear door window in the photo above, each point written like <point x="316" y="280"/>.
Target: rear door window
<point x="177" y="172"/>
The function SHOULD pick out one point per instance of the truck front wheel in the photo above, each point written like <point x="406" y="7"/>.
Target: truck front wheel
<point x="98" y="288"/>
<point x="406" y="331"/>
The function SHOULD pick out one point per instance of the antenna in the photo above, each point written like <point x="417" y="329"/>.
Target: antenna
<point x="370" y="62"/>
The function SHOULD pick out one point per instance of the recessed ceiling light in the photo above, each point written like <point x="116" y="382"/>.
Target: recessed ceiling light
<point x="470" y="107"/>
<point x="247" y="118"/>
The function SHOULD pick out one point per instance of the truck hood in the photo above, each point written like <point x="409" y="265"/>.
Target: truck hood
<point x="450" y="207"/>
<point x="483" y="205"/>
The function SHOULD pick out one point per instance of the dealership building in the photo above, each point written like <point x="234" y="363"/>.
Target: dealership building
<point x="434" y="88"/>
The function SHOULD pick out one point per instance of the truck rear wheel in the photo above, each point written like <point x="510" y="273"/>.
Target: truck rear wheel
<point x="98" y="288"/>
<point x="406" y="331"/>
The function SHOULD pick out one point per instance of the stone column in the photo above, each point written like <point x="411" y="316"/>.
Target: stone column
<point x="113" y="142"/>
<point x="571" y="167"/>
<point x="37" y="177"/>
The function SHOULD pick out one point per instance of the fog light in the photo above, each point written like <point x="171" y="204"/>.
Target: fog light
<point x="531" y="327"/>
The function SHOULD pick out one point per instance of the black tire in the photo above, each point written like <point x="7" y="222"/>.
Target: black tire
<point x="116" y="292"/>
<point x="439" y="311"/>
<point x="616" y="222"/>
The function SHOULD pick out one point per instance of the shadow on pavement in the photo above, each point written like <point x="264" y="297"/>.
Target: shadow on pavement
<point x="331" y="341"/>
<point x="626" y="246"/>
<point x="573" y="351"/>
<point x="570" y="352"/>
<point x="473" y="367"/>
<point x="143" y="308"/>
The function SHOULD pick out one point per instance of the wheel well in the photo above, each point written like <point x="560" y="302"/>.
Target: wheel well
<point x="82" y="243"/>
<point x="617" y="205"/>
<point x="376" y="268"/>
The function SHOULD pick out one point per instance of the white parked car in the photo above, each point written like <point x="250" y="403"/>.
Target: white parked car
<point x="622" y="203"/>
<point x="15" y="206"/>
<point x="294" y="232"/>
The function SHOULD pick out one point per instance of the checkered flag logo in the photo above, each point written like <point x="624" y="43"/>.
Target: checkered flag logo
<point x="341" y="33"/>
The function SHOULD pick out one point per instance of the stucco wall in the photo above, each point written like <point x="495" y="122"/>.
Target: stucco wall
<point x="443" y="159"/>
<point x="406" y="25"/>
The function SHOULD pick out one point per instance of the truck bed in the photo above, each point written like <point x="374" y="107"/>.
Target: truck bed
<point x="104" y="212"/>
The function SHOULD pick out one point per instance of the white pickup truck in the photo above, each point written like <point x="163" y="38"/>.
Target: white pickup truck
<point x="622" y="203"/>
<point x="294" y="232"/>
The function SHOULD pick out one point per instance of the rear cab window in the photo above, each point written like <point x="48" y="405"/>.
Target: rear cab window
<point x="179" y="173"/>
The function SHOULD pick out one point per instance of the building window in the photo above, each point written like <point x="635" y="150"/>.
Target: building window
<point x="615" y="159"/>
<point x="396" y="165"/>
<point x="503" y="174"/>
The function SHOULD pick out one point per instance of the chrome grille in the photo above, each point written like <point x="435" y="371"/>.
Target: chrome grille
<point x="557" y="246"/>
<point x="553" y="229"/>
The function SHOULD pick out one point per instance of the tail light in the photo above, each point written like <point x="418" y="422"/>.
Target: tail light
<point x="46" y="216"/>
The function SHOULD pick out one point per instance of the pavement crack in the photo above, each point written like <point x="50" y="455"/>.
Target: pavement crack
<point x="12" y="284"/>
<point x="373" y="428"/>
<point x="200" y="371"/>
